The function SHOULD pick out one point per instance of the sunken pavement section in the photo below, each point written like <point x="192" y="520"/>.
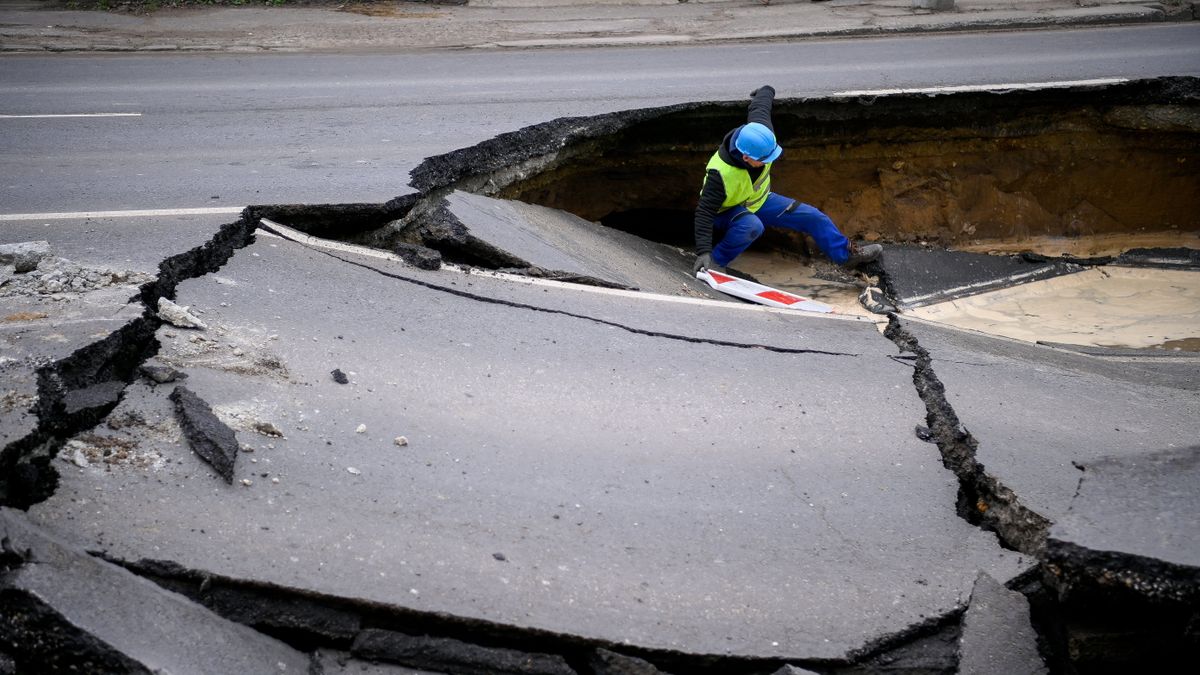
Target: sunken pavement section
<point x="279" y="453"/>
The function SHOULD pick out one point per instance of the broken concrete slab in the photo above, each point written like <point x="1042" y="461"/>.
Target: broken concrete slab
<point x="208" y="436"/>
<point x="1025" y="414"/>
<point x="342" y="663"/>
<point x="64" y="609"/>
<point x="178" y="316"/>
<point x="775" y="497"/>
<point x="1124" y="566"/>
<point x="915" y="276"/>
<point x="1169" y="258"/>
<point x="606" y="662"/>
<point x="567" y="246"/>
<point x="793" y="670"/>
<point x="997" y="636"/>
<point x="1131" y="528"/>
<point x="456" y="656"/>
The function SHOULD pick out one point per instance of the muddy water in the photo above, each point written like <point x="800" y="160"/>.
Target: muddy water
<point x="1108" y="306"/>
<point x="1102" y="307"/>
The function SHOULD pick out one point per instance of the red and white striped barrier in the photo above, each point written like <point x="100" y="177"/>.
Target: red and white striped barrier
<point x="764" y="295"/>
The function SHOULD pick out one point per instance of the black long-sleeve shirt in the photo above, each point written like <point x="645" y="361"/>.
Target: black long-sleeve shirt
<point x="713" y="194"/>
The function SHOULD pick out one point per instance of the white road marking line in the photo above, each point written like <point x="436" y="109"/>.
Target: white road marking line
<point x="81" y="215"/>
<point x="982" y="87"/>
<point x="317" y="242"/>
<point x="14" y="117"/>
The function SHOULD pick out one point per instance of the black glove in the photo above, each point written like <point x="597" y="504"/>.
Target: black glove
<point x="765" y="86"/>
<point x="703" y="262"/>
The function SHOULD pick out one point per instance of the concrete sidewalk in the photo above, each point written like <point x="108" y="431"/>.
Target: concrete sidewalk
<point x="395" y="26"/>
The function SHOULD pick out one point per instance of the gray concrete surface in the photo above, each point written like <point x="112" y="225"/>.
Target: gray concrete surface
<point x="1138" y="507"/>
<point x="998" y="637"/>
<point x="543" y="23"/>
<point x="615" y="471"/>
<point x="1035" y="412"/>
<point x="558" y="241"/>
<point x="154" y="630"/>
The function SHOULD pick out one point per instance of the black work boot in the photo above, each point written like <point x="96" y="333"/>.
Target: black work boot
<point x="861" y="255"/>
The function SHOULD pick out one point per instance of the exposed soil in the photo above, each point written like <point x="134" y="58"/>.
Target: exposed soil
<point x="962" y="170"/>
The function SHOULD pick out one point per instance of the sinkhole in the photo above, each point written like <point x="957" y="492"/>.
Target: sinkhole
<point x="1086" y="172"/>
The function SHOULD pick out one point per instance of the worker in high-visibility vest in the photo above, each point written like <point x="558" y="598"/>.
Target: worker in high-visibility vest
<point x="736" y="201"/>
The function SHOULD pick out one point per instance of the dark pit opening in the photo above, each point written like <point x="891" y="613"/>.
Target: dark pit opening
<point x="952" y="169"/>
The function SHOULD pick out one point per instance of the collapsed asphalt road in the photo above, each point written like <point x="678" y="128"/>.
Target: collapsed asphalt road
<point x="524" y="476"/>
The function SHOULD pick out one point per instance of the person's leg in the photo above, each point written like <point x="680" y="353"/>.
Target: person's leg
<point x="780" y="211"/>
<point x="737" y="229"/>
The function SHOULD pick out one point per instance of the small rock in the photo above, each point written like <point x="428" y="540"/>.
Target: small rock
<point x="275" y="480"/>
<point x="874" y="301"/>
<point x="353" y="471"/>
<point x="247" y="482"/>
<point x="268" y="429"/>
<point x="161" y="374"/>
<point x="500" y="556"/>
<point x="362" y="429"/>
<point x="177" y="315"/>
<point x="339" y="376"/>
<point x="24" y="256"/>
<point x="77" y="456"/>
<point x="238" y="351"/>
<point x="420" y="257"/>
<point x="400" y="441"/>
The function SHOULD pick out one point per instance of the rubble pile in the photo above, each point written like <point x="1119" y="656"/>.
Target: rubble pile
<point x="29" y="268"/>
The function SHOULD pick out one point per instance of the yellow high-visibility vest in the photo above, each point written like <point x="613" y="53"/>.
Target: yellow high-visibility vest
<point x="739" y="189"/>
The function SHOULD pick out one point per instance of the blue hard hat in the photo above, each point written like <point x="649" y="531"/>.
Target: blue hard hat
<point x="758" y="142"/>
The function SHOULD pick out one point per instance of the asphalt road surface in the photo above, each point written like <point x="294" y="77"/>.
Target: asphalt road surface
<point x="591" y="468"/>
<point x="215" y="131"/>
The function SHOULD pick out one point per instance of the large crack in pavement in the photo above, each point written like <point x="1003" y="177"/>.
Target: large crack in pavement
<point x="983" y="499"/>
<point x="604" y="322"/>
<point x="76" y="393"/>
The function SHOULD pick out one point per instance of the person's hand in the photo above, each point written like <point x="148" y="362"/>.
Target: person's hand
<point x="703" y="262"/>
<point x="765" y="86"/>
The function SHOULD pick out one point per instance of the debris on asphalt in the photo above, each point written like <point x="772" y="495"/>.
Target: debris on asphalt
<point x="267" y="429"/>
<point x="161" y="374"/>
<point x="26" y="270"/>
<point x="605" y="662"/>
<point x="208" y="436"/>
<point x="339" y="376"/>
<point x="353" y="471"/>
<point x="421" y="257"/>
<point x="401" y="441"/>
<point x="362" y="429"/>
<point x="177" y="315"/>
<point x="24" y="256"/>
<point x="873" y="300"/>
<point x="450" y="655"/>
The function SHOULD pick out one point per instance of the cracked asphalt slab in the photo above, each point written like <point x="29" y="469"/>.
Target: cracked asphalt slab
<point x="542" y="438"/>
<point x="573" y="476"/>
<point x="1036" y="412"/>
<point x="59" y="593"/>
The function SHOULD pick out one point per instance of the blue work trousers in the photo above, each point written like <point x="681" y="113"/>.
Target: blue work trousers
<point x="735" y="229"/>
